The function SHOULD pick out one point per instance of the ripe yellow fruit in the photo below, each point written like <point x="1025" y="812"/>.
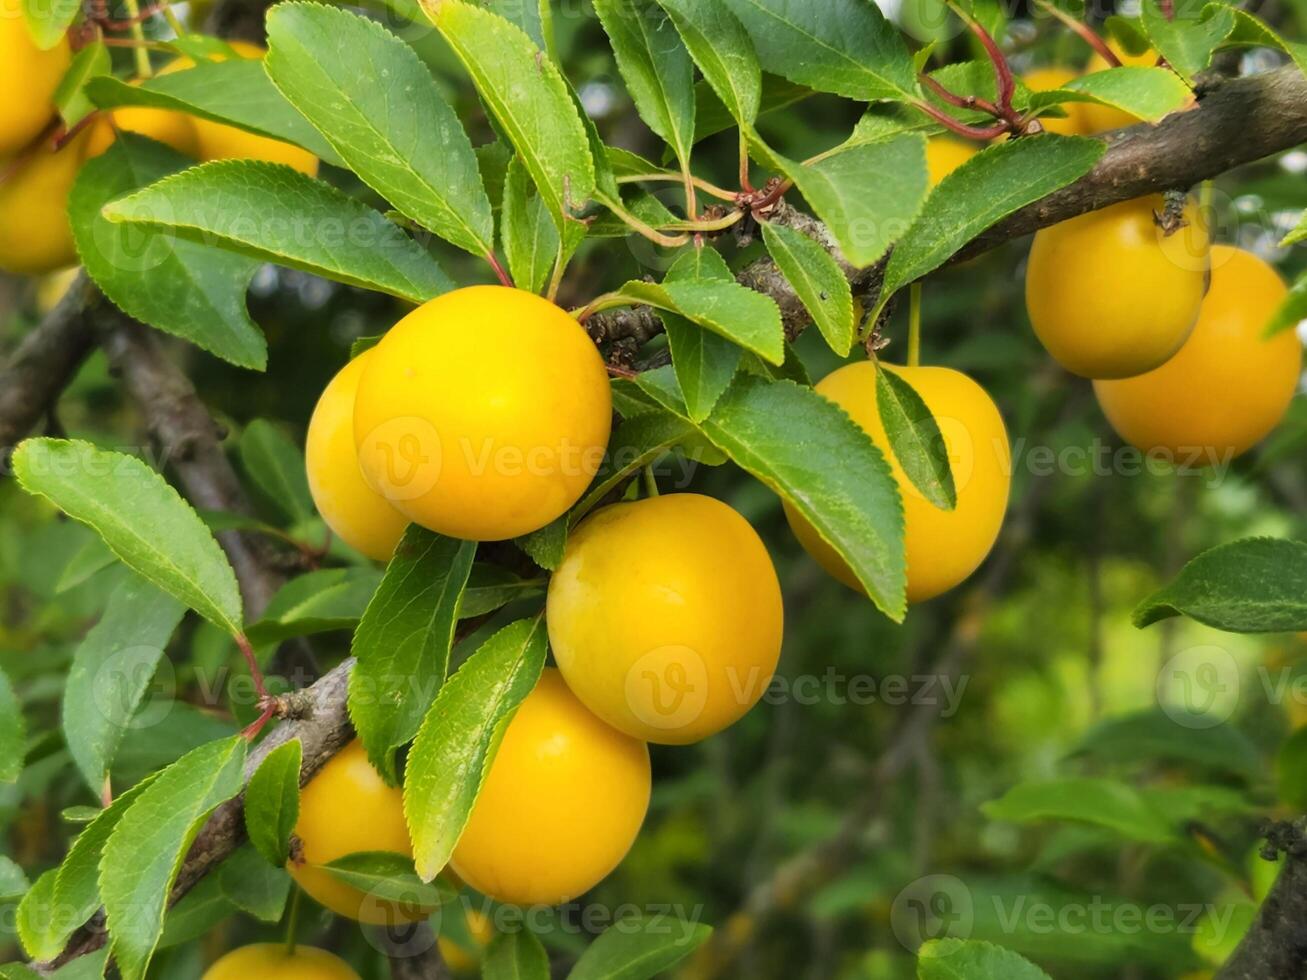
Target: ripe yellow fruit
<point x="1048" y="79"/>
<point x="345" y="809"/>
<point x="561" y="805"/>
<point x="217" y="141"/>
<point x="483" y="414"/>
<point x="944" y="155"/>
<point x="359" y="515"/>
<point x="270" y="961"/>
<point x="1228" y="386"/>
<point x="1100" y="118"/>
<point x="665" y="616"/>
<point x="28" y="78"/>
<point x="35" y="236"/>
<point x="1111" y="296"/>
<point x="942" y="547"/>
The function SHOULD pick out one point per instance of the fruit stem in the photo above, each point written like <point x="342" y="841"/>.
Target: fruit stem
<point x="961" y="101"/>
<point x="961" y="128"/>
<point x="293" y="919"/>
<point x="138" y="33"/>
<point x="745" y="185"/>
<point x="914" y="325"/>
<point x="650" y="482"/>
<point x="252" y="662"/>
<point x="720" y="193"/>
<point x="1087" y="33"/>
<point x="638" y="226"/>
<point x="177" y="26"/>
<point x="504" y="278"/>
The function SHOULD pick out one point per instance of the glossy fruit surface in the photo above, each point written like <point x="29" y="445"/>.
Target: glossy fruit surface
<point x="1100" y="118"/>
<point x="944" y="155"/>
<point x="217" y="141"/>
<point x="1228" y="386"/>
<point x="352" y="509"/>
<point x="35" y="236"/>
<point x="561" y="806"/>
<point x="345" y="809"/>
<point x="665" y="616"/>
<point x="270" y="961"/>
<point x="483" y="414"/>
<point x="1048" y="79"/>
<point x="942" y="547"/>
<point x="1109" y="295"/>
<point x="28" y="79"/>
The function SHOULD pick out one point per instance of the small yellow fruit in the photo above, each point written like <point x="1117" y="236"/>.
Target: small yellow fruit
<point x="35" y="236"/>
<point x="345" y="809"/>
<point x="944" y="155"/>
<point x="1100" y="118"/>
<point x="483" y="414"/>
<point x="218" y="141"/>
<point x="270" y="961"/>
<point x="28" y="78"/>
<point x="1047" y="80"/>
<point x="1228" y="386"/>
<point x="942" y="547"/>
<point x="359" y="515"/>
<point x="665" y="616"/>
<point x="1111" y="296"/>
<point x="561" y="805"/>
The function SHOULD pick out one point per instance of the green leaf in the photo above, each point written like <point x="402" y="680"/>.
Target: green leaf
<point x="914" y="438"/>
<point x="636" y="443"/>
<point x="535" y="17"/>
<point x="530" y="239"/>
<point x="1105" y="803"/>
<point x="1148" y="93"/>
<point x="13" y="733"/>
<point x="1298" y="234"/>
<point x="722" y="49"/>
<point x="807" y="450"/>
<point x="956" y="959"/>
<point x="13" y="882"/>
<point x="1257" y="585"/>
<point x="656" y="68"/>
<point x="1293" y="310"/>
<point x="317" y="602"/>
<point x="388" y="877"/>
<point x="66" y="897"/>
<point x="515" y="956"/>
<point x="992" y="184"/>
<point x="111" y="672"/>
<point x="403" y="642"/>
<point x="142" y="519"/>
<point x="191" y="290"/>
<point x="545" y="547"/>
<point x="713" y="117"/>
<point x="237" y="92"/>
<point x="529" y="99"/>
<point x="1187" y="38"/>
<point x="276" y="465"/>
<point x="272" y="213"/>
<point x="847" y="47"/>
<point x="70" y="97"/>
<point x="48" y="20"/>
<point x="272" y="802"/>
<point x="704" y="362"/>
<point x="1249" y="30"/>
<point x="94" y="556"/>
<point x="1145" y="737"/>
<point x="491" y="587"/>
<point x="747" y="318"/>
<point x="374" y="100"/>
<point x="866" y="194"/>
<point x="641" y="948"/>
<point x="145" y="850"/>
<point x="1291" y="770"/>
<point x="253" y="885"/>
<point x="451" y="756"/>
<point x="818" y="282"/>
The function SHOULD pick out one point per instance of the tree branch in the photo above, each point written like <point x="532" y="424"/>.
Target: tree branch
<point x="1276" y="945"/>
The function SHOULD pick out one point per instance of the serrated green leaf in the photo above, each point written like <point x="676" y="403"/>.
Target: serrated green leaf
<point x="704" y="362"/>
<point x="403" y="641"/>
<point x="530" y="239"/>
<point x="1146" y="93"/>
<point x="491" y="587"/>
<point x="641" y="948"/>
<point x="515" y="956"/>
<point x="989" y="186"/>
<point x="388" y="877"/>
<point x="70" y="97"/>
<point x="272" y="213"/>
<point x="13" y="881"/>
<point x="198" y="912"/>
<point x="317" y="602"/>
<point x="955" y="959"/>
<point x="817" y="280"/>
<point x="1187" y="38"/>
<point x="272" y="802"/>
<point x="64" y="898"/>
<point x="914" y="438"/>
<point x="656" y="67"/>
<point x="1298" y="234"/>
<point x="48" y="20"/>
<point x="713" y="117"/>
<point x="535" y="17"/>
<point x="111" y="672"/>
<point x="847" y="47"/>
<point x="145" y="850"/>
<point x="867" y="194"/>
<point x="723" y="50"/>
<point x="141" y="518"/>
<point x="1257" y="585"/>
<point x="636" y="443"/>
<point x="237" y="92"/>
<point x="545" y="546"/>
<point x="1292" y="311"/>
<point x="529" y="99"/>
<point x="276" y="465"/>
<point x="747" y="318"/>
<point x="1105" y="803"/>
<point x="373" y="99"/>
<point x="453" y="751"/>
<point x="253" y="885"/>
<point x="1249" y="30"/>
<point x="184" y="288"/>
<point x="13" y="733"/>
